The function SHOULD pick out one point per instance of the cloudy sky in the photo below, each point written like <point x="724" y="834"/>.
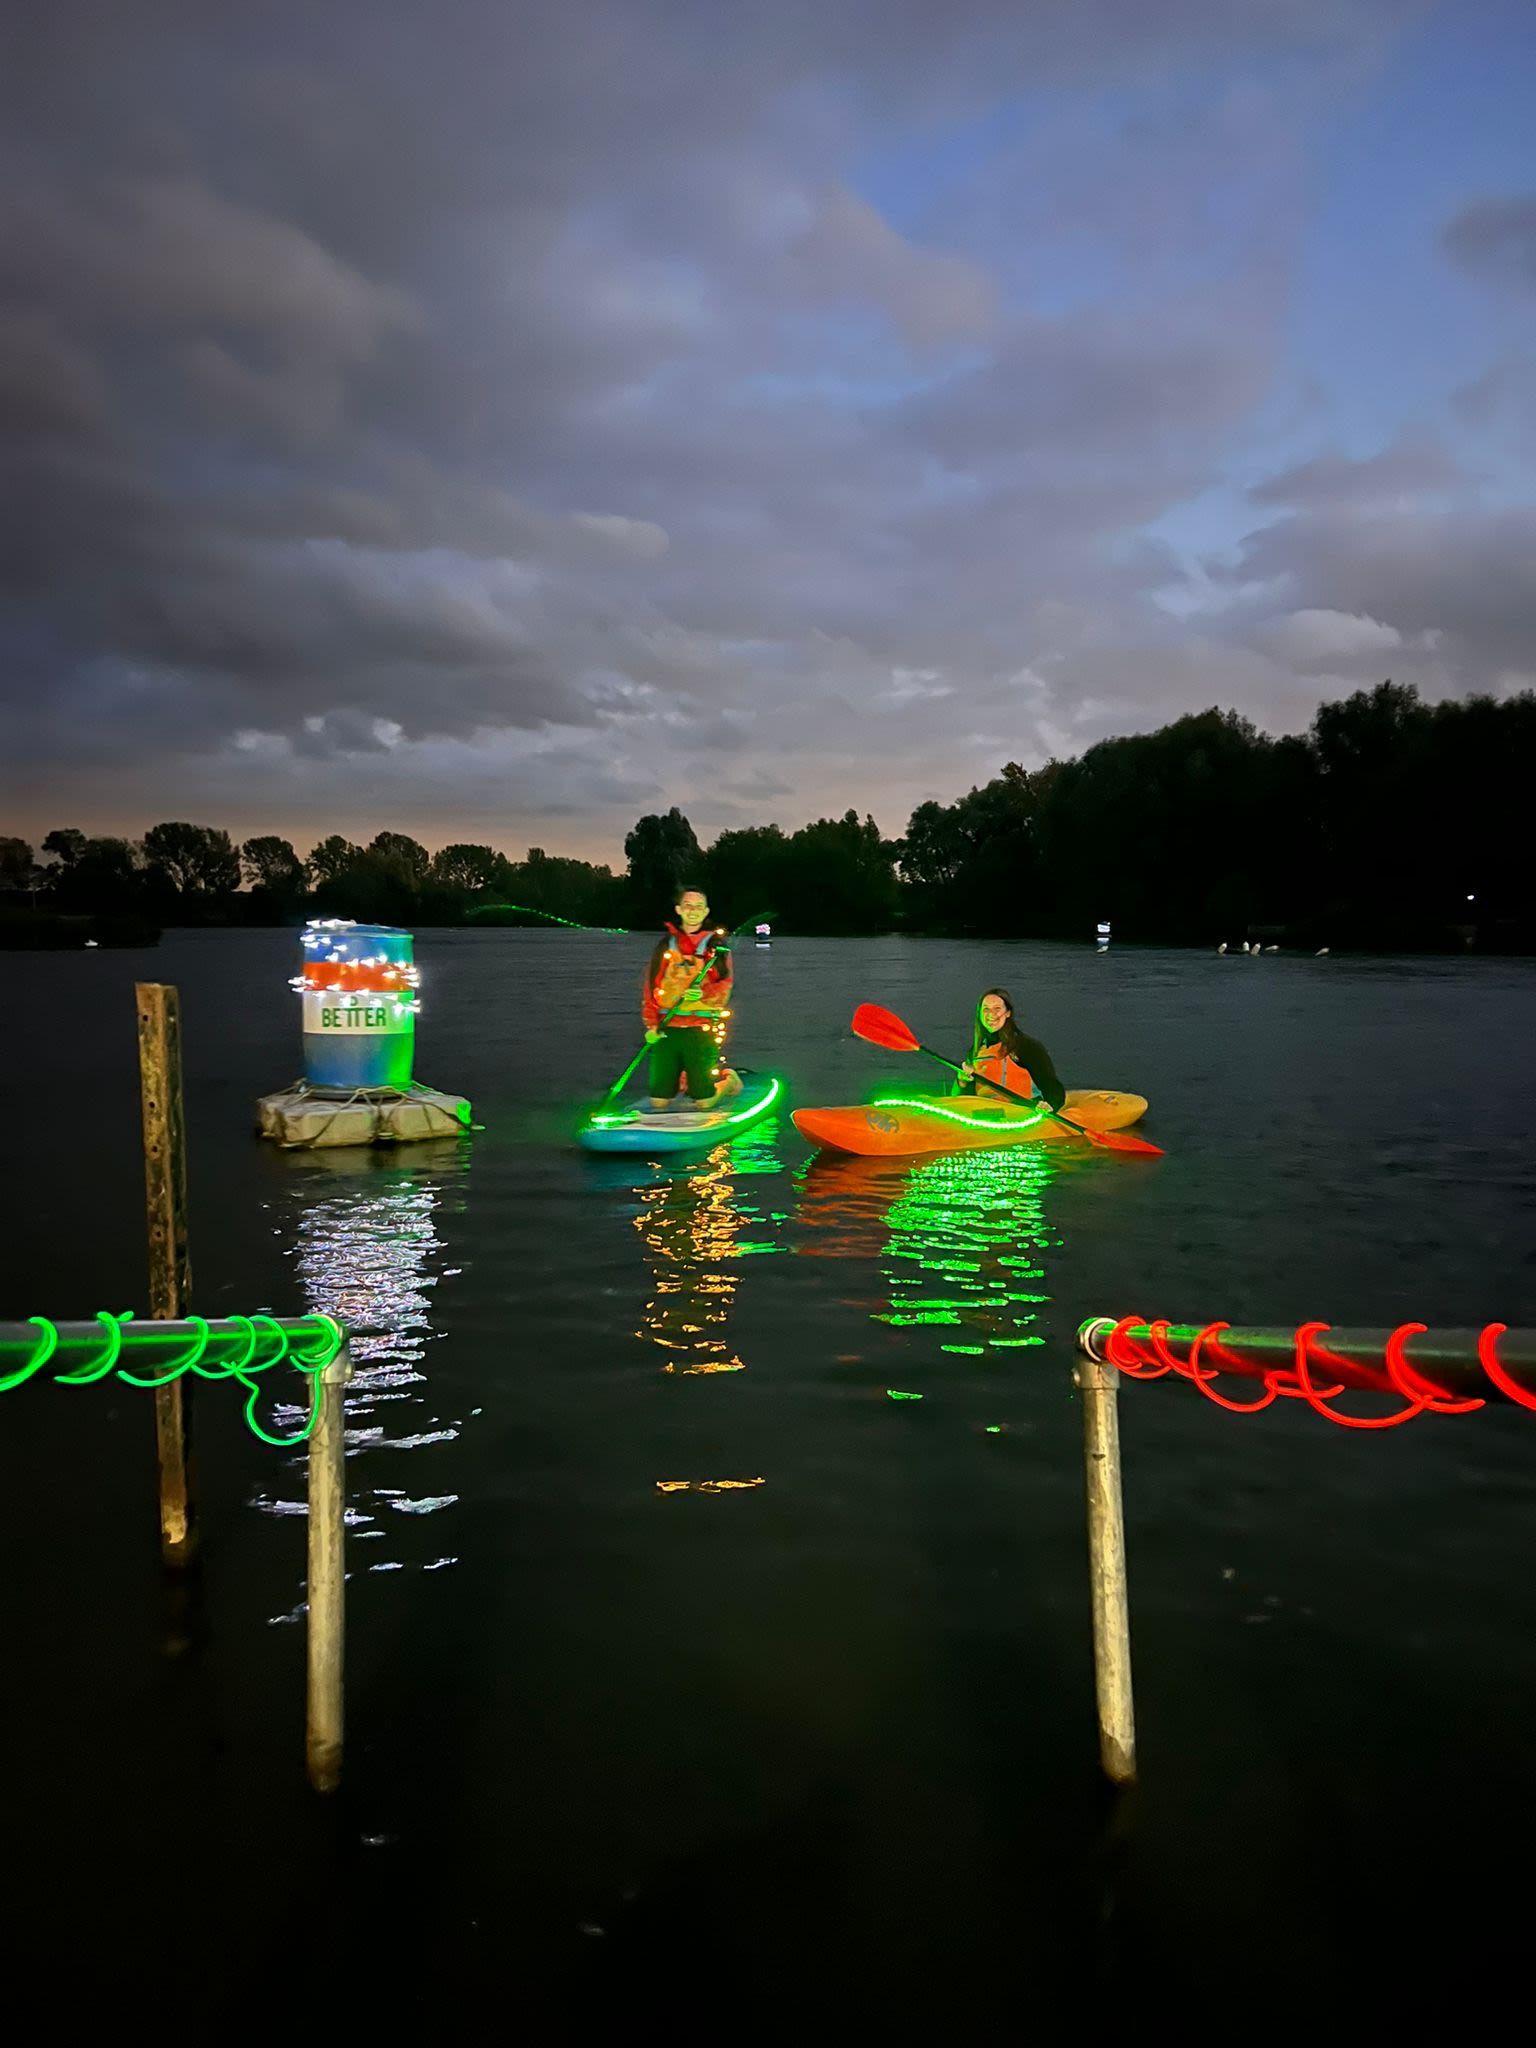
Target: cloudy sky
<point x="496" y="418"/>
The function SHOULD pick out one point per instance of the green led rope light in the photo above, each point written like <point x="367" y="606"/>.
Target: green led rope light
<point x="309" y="1345"/>
<point x="994" y="1122"/>
<point x="775" y="1090"/>
<point x="618" y="931"/>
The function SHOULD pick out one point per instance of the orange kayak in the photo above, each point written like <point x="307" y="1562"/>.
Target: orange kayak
<point x="950" y="1123"/>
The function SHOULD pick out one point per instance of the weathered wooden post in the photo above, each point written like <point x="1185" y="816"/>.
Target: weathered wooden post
<point x="325" y="1698"/>
<point x="1099" y="1384"/>
<point x="170" y="1267"/>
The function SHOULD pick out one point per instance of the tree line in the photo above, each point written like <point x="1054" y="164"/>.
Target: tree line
<point x="1390" y="823"/>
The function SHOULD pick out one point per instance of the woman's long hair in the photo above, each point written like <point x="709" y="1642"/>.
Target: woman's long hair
<point x="1008" y="1037"/>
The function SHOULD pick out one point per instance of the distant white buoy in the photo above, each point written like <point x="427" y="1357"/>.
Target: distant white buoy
<point x="93" y="942"/>
<point x="1222" y="947"/>
<point x="1320" y="952"/>
<point x="1271" y="949"/>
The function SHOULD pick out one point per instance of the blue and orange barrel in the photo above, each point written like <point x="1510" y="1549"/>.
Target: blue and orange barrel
<point x="359" y="989"/>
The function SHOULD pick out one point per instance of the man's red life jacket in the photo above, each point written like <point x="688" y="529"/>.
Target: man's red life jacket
<point x="675" y="979"/>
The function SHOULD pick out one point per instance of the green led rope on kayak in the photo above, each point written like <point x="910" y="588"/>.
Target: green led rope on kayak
<point x="997" y="1121"/>
<point x="309" y="1352"/>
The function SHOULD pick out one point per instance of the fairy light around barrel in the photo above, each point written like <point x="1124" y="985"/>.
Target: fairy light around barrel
<point x="359" y="985"/>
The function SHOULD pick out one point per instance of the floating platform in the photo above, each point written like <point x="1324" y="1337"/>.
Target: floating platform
<point x="315" y="1118"/>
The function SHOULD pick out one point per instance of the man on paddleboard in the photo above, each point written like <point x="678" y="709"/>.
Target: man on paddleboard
<point x="689" y="973"/>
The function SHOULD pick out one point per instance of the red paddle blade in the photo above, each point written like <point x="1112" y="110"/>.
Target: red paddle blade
<point x="1122" y="1141"/>
<point x="883" y="1027"/>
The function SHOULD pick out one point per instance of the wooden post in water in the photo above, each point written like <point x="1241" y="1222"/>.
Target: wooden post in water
<point x="327" y="1577"/>
<point x="1099" y="1385"/>
<point x="170" y="1267"/>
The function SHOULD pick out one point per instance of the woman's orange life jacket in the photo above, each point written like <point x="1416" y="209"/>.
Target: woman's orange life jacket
<point x="992" y="1063"/>
<point x="675" y="979"/>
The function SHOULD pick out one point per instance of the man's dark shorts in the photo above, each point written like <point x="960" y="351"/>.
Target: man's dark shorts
<point x="691" y="1051"/>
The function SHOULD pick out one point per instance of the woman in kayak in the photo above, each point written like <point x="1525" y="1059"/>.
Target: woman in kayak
<point x="1001" y="1052"/>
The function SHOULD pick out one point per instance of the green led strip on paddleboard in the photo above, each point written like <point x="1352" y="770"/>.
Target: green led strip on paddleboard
<point x="998" y="1121"/>
<point x="309" y="1347"/>
<point x="742" y="1116"/>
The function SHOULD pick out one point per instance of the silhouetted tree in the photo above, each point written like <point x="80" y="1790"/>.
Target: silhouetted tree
<point x="16" y="864"/>
<point x="746" y="871"/>
<point x="66" y="845"/>
<point x="105" y="876"/>
<point x="198" y="861"/>
<point x="839" y="875"/>
<point x="332" y="858"/>
<point x="270" y="863"/>
<point x="408" y="856"/>
<point x="468" y="867"/>
<point x="664" y="856"/>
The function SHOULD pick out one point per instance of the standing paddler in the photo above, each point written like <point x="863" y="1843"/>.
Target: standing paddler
<point x="689" y="975"/>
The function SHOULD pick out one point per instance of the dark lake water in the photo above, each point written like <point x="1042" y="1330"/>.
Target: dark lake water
<point x="627" y="1751"/>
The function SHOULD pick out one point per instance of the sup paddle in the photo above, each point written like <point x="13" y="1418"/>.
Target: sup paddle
<point x="884" y="1027"/>
<point x="757" y="917"/>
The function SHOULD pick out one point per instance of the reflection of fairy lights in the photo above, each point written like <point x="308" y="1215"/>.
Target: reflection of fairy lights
<point x="969" y="1229"/>
<point x="707" y="1485"/>
<point x="691" y="1227"/>
<point x="364" y="1256"/>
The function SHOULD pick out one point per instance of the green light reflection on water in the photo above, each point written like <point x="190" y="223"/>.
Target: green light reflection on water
<point x="966" y="1229"/>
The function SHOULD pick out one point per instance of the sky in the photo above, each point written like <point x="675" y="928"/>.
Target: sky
<point x="493" y="422"/>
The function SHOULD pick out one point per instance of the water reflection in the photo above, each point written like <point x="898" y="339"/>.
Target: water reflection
<point x="369" y="1249"/>
<point x="952" y="1244"/>
<point x="696" y="1226"/>
<point x="967" y="1235"/>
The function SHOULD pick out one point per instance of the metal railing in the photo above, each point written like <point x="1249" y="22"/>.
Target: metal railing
<point x="1453" y="1373"/>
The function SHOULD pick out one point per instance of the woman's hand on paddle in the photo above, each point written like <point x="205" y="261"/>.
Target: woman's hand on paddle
<point x="653" y="1036"/>
<point x="967" y="1070"/>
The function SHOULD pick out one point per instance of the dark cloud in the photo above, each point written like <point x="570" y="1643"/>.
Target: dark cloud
<point x="1495" y="241"/>
<point x="1408" y="469"/>
<point x="535" y="411"/>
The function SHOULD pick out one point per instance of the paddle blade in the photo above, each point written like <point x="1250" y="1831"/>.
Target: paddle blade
<point x="1122" y="1141"/>
<point x="883" y="1027"/>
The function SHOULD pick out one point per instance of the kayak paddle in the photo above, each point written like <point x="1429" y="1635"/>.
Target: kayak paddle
<point x="884" y="1027"/>
<point x="758" y="917"/>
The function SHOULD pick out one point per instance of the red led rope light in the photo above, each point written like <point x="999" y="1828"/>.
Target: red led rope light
<point x="1488" y="1359"/>
<point x="1420" y="1395"/>
<point x="1202" y="1379"/>
<point x="1122" y="1354"/>
<point x="1412" y="1385"/>
<point x="1319" y="1401"/>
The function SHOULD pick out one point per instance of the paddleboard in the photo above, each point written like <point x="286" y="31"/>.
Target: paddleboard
<point x="897" y="1124"/>
<point x="643" y="1129"/>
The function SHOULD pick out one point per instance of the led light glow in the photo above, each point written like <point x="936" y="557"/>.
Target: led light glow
<point x="527" y="910"/>
<point x="967" y="1235"/>
<point x="1149" y="1357"/>
<point x="309" y="1346"/>
<point x="996" y="1120"/>
<point x="775" y="1089"/>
